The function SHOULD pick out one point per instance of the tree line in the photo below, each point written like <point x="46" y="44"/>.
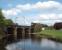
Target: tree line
<point x="4" y="22"/>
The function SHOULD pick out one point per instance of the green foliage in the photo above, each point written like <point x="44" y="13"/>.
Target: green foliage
<point x="1" y="18"/>
<point x="3" y="21"/>
<point x="8" y="22"/>
<point x="49" y="28"/>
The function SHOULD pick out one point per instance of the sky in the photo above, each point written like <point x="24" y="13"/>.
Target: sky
<point x="24" y="12"/>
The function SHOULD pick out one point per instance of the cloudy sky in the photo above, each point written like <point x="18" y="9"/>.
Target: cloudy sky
<point x="24" y="12"/>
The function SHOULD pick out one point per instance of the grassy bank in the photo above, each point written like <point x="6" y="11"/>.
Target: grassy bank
<point x="57" y="34"/>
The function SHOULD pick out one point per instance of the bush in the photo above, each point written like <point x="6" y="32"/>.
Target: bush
<point x="58" y="26"/>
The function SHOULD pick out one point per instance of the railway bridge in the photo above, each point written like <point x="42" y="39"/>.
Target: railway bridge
<point x="18" y="31"/>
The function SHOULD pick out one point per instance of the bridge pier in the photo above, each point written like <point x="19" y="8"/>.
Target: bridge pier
<point x="29" y="32"/>
<point x="20" y="32"/>
<point x="15" y="33"/>
<point x="23" y="32"/>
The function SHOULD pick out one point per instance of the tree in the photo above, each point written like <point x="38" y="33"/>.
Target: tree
<point x="36" y="27"/>
<point x="58" y="25"/>
<point x="8" y="22"/>
<point x="3" y="21"/>
<point x="1" y="18"/>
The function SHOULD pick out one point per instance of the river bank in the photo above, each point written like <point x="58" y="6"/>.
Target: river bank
<point x="33" y="38"/>
<point x="55" y="35"/>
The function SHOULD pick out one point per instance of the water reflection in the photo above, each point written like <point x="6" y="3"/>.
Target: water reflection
<point x="2" y="45"/>
<point x="35" y="44"/>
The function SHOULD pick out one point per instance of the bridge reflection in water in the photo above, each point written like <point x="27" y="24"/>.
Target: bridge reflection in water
<point x="18" y="32"/>
<point x="22" y="32"/>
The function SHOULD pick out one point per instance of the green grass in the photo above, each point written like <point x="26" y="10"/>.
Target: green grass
<point x="54" y="33"/>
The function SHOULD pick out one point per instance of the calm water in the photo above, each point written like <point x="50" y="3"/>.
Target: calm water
<point x="35" y="44"/>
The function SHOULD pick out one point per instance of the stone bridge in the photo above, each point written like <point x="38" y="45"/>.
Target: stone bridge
<point x="19" y="31"/>
<point x="22" y="31"/>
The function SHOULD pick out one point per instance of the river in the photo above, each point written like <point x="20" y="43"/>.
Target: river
<point x="35" y="44"/>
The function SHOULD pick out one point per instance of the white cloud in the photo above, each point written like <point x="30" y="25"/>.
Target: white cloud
<point x="51" y="16"/>
<point x="48" y="18"/>
<point x="24" y="7"/>
<point x="39" y="5"/>
<point x="11" y="12"/>
<point x="38" y="17"/>
<point x="48" y="4"/>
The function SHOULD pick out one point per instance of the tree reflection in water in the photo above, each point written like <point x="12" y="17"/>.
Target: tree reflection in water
<point x="2" y="45"/>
